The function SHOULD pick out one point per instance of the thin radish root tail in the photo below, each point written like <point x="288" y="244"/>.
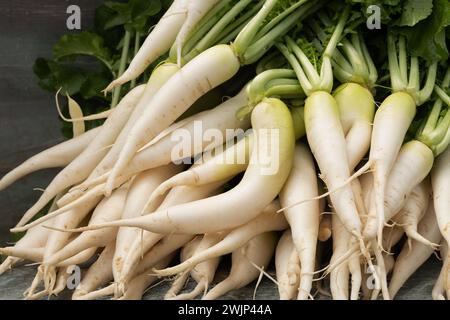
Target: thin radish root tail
<point x="414" y="235"/>
<point x="364" y="169"/>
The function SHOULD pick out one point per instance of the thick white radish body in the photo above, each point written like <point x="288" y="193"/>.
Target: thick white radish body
<point x="205" y="72"/>
<point x="269" y="167"/>
<point x="139" y="191"/>
<point x="259" y="252"/>
<point x="413" y="164"/>
<point x="413" y="211"/>
<point x="438" y="292"/>
<point x="440" y="179"/>
<point x="159" y="76"/>
<point x="304" y="218"/>
<point x="161" y="149"/>
<point x="268" y="220"/>
<point x="98" y="274"/>
<point x="83" y="165"/>
<point x="412" y="257"/>
<point x="58" y="156"/>
<point x="109" y="209"/>
<point x="339" y="277"/>
<point x="156" y="44"/>
<point x="203" y="273"/>
<point x="328" y="145"/>
<point x="142" y="243"/>
<point x="139" y="284"/>
<point x="391" y="123"/>
<point x="357" y="109"/>
<point x="287" y="282"/>
<point x="224" y="165"/>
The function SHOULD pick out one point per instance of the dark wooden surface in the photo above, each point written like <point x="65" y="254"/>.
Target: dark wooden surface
<point x="28" y="124"/>
<point x="28" y="118"/>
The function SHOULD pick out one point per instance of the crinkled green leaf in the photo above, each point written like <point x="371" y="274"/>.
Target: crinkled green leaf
<point x="84" y="43"/>
<point x="415" y="11"/>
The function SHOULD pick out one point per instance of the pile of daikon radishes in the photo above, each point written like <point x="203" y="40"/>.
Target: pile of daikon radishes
<point x="337" y="168"/>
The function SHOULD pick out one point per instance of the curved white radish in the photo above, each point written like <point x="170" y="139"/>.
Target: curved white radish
<point x="190" y="83"/>
<point x="109" y="209"/>
<point x="269" y="167"/>
<point x="98" y="274"/>
<point x="159" y="77"/>
<point x="82" y="166"/>
<point x="268" y="220"/>
<point x="287" y="280"/>
<point x="140" y="189"/>
<point x="166" y="148"/>
<point x="58" y="156"/>
<point x="413" y="211"/>
<point x="215" y="168"/>
<point x="259" y="252"/>
<point x="357" y="109"/>
<point x="339" y="276"/>
<point x="411" y="258"/>
<point x="438" y="292"/>
<point x="304" y="218"/>
<point x="142" y="243"/>
<point x="156" y="44"/>
<point x="413" y="164"/>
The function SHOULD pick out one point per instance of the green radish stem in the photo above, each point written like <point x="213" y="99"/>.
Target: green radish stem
<point x="58" y="156"/>
<point x="122" y="66"/>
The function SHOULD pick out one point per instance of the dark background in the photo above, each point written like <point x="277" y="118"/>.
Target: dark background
<point x="28" y="118"/>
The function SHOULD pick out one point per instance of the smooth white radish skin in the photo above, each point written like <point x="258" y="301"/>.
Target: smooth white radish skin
<point x="224" y="165"/>
<point x="357" y="109"/>
<point x="438" y="292"/>
<point x="203" y="273"/>
<point x="109" y="209"/>
<point x="440" y="178"/>
<point x="413" y="211"/>
<point x="98" y="274"/>
<point x="259" y="252"/>
<point x="391" y="123"/>
<point x="58" y="156"/>
<point x="269" y="167"/>
<point x="139" y="284"/>
<point x="158" y="42"/>
<point x="139" y="191"/>
<point x="328" y="145"/>
<point x="304" y="218"/>
<point x="412" y="257"/>
<point x="143" y="243"/>
<point x="159" y="76"/>
<point x="268" y="220"/>
<point x="413" y="164"/>
<point x="160" y="151"/>
<point x="196" y="10"/>
<point x="287" y="282"/>
<point x="83" y="165"/>
<point x="205" y="72"/>
<point x="339" y="277"/>
<point x="186" y="252"/>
